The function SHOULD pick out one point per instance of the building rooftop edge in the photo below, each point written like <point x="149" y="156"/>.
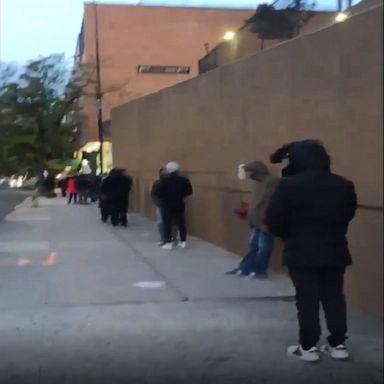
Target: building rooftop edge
<point x="242" y="9"/>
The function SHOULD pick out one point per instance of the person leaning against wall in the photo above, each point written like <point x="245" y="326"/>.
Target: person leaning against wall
<point x="311" y="210"/>
<point x="256" y="261"/>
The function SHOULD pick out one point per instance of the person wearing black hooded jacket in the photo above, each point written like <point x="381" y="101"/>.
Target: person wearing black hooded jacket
<point x="114" y="192"/>
<point x="310" y="211"/>
<point x="283" y="153"/>
<point x="170" y="193"/>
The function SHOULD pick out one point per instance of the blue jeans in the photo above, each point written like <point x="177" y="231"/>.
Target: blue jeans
<point x="259" y="254"/>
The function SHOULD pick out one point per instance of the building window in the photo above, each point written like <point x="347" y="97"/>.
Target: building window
<point x="80" y="45"/>
<point x="164" y="69"/>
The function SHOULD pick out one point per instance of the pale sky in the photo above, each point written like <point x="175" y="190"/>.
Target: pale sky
<point x="29" y="28"/>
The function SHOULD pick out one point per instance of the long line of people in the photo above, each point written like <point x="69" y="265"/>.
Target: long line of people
<point x="309" y="208"/>
<point x="81" y="188"/>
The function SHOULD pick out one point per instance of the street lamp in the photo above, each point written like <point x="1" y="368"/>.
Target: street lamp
<point x="229" y="35"/>
<point x="99" y="97"/>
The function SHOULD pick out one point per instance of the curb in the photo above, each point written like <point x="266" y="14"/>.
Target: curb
<point x="23" y="203"/>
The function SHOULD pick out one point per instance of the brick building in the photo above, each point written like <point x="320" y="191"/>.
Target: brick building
<point x="144" y="49"/>
<point x="245" y="43"/>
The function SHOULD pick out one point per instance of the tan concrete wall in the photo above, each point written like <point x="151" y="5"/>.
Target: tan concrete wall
<point x="138" y="35"/>
<point x="305" y="88"/>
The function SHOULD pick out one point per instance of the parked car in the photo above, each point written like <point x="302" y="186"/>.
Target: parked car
<point x="16" y="181"/>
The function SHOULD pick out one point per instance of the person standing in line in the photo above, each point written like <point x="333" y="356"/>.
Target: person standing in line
<point x="171" y="192"/>
<point x="116" y="189"/>
<point x="105" y="196"/>
<point x="159" y="219"/>
<point x="72" y="192"/>
<point x="256" y="261"/>
<point x="82" y="187"/>
<point x="63" y="185"/>
<point x="281" y="154"/>
<point x="311" y="211"/>
<point x="94" y="192"/>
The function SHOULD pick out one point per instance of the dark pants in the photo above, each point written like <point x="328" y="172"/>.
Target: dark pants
<point x="105" y="211"/>
<point x="83" y="197"/>
<point x="72" y="196"/>
<point x="315" y="286"/>
<point x="119" y="216"/>
<point x="173" y="217"/>
<point x="160" y="227"/>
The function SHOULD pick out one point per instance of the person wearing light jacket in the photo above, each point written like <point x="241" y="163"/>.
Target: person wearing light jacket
<point x="256" y="261"/>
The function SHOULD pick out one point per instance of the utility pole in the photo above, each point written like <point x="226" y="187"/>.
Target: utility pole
<point x="99" y="96"/>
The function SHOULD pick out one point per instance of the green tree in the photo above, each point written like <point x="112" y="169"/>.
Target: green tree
<point x="39" y="113"/>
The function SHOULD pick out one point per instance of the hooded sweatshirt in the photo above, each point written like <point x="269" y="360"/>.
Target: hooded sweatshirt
<point x="311" y="211"/>
<point x="171" y="190"/>
<point x="282" y="153"/>
<point x="264" y="189"/>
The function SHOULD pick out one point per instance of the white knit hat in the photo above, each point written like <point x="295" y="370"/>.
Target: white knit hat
<point x="172" y="167"/>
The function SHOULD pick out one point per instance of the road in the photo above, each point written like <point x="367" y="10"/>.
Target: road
<point x="9" y="199"/>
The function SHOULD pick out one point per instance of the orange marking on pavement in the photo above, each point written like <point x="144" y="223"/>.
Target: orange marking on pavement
<point x="52" y="259"/>
<point x="21" y="262"/>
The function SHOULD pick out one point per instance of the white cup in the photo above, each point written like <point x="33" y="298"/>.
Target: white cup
<point x="241" y="174"/>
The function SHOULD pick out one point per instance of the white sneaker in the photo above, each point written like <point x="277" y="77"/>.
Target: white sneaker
<point x="183" y="244"/>
<point x="167" y="246"/>
<point x="310" y="356"/>
<point x="338" y="353"/>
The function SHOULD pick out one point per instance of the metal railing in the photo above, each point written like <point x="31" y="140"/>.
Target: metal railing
<point x="209" y="61"/>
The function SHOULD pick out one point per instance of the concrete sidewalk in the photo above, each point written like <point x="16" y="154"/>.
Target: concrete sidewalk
<point x="82" y="302"/>
<point x="120" y="258"/>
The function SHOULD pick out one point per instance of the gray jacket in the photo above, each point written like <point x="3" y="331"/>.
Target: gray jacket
<point x="264" y="189"/>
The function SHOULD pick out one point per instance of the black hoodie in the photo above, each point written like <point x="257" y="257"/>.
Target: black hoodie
<point x="311" y="211"/>
<point x="283" y="153"/>
<point x="171" y="190"/>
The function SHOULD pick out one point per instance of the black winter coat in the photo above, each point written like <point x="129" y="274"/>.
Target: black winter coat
<point x="115" y="189"/>
<point x="155" y="199"/>
<point x="171" y="190"/>
<point x="311" y="212"/>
